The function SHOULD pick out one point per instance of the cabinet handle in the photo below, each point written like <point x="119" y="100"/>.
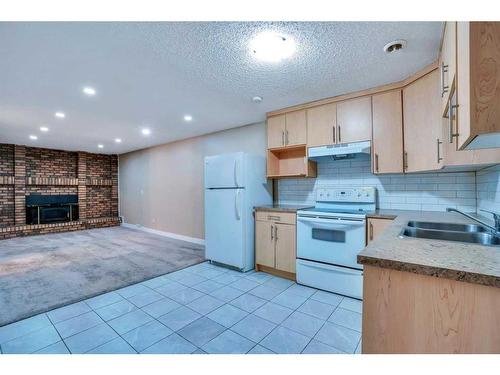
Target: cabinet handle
<point x="405" y="160"/>
<point x="451" y="115"/>
<point x="286" y="139"/>
<point x="275" y="218"/>
<point x="333" y="132"/>
<point x="444" y="88"/>
<point x="276" y="233"/>
<point x="371" y="231"/>
<point x="282" y="137"/>
<point x="376" y="162"/>
<point x="439" y="158"/>
<point x="272" y="237"/>
<point x="340" y="138"/>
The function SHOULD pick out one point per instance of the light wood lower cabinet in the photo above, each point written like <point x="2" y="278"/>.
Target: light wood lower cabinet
<point x="404" y="312"/>
<point x="275" y="243"/>
<point x="374" y="227"/>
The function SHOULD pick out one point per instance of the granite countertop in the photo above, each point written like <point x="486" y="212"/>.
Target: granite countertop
<point x="448" y="259"/>
<point x="280" y="208"/>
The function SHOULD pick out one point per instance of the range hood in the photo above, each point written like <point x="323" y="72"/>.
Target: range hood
<point x="341" y="151"/>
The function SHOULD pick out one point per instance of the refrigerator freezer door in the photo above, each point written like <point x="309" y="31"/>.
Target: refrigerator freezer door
<point x="224" y="171"/>
<point x="225" y="235"/>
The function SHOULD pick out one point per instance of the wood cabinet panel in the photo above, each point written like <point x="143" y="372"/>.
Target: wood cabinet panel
<point x="410" y="313"/>
<point x="422" y="124"/>
<point x="463" y="84"/>
<point x="375" y="227"/>
<point x="321" y="125"/>
<point x="285" y="247"/>
<point x="276" y="131"/>
<point x="387" y="145"/>
<point x="264" y="243"/>
<point x="296" y="128"/>
<point x="354" y="120"/>
<point x="448" y="63"/>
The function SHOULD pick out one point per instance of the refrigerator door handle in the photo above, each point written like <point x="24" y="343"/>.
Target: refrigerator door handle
<point x="237" y="204"/>
<point x="236" y="170"/>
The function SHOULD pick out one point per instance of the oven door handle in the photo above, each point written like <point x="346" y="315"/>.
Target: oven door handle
<point x="332" y="222"/>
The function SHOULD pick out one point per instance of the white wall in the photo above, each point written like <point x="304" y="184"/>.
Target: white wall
<point x="423" y="191"/>
<point x="162" y="187"/>
<point x="488" y="189"/>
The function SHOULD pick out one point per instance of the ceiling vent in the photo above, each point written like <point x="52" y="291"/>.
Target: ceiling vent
<point x="395" y="46"/>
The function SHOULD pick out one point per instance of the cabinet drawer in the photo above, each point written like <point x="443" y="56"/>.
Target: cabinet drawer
<point x="278" y="217"/>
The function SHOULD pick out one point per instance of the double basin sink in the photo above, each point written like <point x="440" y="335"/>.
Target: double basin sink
<point x="469" y="233"/>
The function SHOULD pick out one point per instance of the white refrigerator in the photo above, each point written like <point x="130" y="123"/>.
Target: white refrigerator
<point x="234" y="184"/>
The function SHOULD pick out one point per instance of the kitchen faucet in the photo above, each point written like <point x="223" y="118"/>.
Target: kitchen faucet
<point x="496" y="217"/>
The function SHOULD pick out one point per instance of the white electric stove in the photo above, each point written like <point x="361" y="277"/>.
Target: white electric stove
<point x="329" y="238"/>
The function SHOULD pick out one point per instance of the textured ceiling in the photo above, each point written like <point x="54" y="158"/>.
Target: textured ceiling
<point x="154" y="73"/>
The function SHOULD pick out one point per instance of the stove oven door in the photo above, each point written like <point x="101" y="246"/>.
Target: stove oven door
<point x="330" y="240"/>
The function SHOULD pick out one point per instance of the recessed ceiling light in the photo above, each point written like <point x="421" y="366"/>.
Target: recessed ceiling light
<point x="188" y="118"/>
<point x="257" y="99"/>
<point x="33" y="137"/>
<point x="395" y="46"/>
<point x="90" y="91"/>
<point x="44" y="129"/>
<point x="272" y="47"/>
<point x="118" y="140"/>
<point x="59" y="115"/>
<point x="100" y="146"/>
<point x="146" y="131"/>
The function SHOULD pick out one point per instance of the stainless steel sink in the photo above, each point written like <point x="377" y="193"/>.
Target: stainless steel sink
<point x="447" y="226"/>
<point x="480" y="238"/>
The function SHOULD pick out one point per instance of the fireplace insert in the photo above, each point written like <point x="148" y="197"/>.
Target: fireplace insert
<point x="46" y="209"/>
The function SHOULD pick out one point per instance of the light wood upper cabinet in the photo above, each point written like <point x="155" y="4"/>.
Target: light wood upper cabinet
<point x="285" y="247"/>
<point x="447" y="63"/>
<point x="354" y="120"/>
<point x="387" y="145"/>
<point x="276" y="131"/>
<point x="478" y="84"/>
<point x="422" y="124"/>
<point x="296" y="128"/>
<point x="321" y="125"/>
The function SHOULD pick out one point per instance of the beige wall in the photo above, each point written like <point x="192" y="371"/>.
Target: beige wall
<point x="162" y="187"/>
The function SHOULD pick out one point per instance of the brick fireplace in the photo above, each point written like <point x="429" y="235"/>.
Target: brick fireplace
<point x="29" y="171"/>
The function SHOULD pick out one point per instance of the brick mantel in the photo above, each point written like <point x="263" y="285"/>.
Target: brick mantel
<point x="28" y="170"/>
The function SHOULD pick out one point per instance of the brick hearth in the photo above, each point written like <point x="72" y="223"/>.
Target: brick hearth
<point x="29" y="170"/>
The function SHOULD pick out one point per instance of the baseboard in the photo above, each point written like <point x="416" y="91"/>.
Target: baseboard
<point x="195" y="240"/>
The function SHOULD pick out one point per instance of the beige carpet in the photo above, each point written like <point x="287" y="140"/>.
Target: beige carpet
<point x="40" y="273"/>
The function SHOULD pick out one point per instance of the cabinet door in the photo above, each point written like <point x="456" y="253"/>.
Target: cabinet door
<point x="422" y="124"/>
<point x="447" y="64"/>
<point x="375" y="228"/>
<point x="286" y="244"/>
<point x="296" y="128"/>
<point x="264" y="243"/>
<point x="276" y="131"/>
<point x="463" y="84"/>
<point x="321" y="124"/>
<point x="387" y="146"/>
<point x="354" y="120"/>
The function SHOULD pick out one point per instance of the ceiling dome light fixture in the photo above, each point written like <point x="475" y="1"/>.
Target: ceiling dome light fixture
<point x="188" y="118"/>
<point x="100" y="146"/>
<point x="272" y="47"/>
<point x="257" y="99"/>
<point x="89" y="91"/>
<point x="394" y="46"/>
<point x="44" y="129"/>
<point x="33" y="137"/>
<point x="146" y="131"/>
<point x="60" y="115"/>
<point x="118" y="140"/>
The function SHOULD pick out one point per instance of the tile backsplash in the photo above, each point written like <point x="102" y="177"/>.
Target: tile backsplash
<point x="488" y="189"/>
<point x="422" y="191"/>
